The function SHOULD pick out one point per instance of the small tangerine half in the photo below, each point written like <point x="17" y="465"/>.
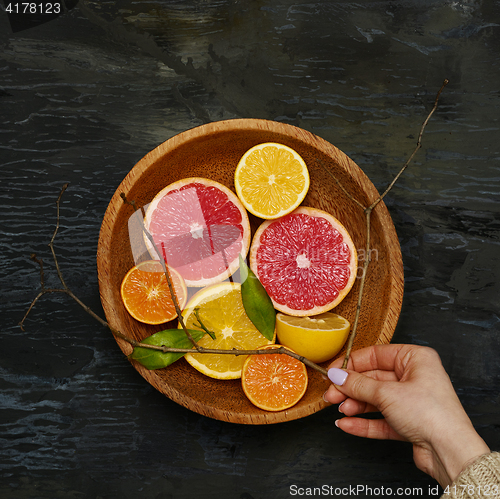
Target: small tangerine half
<point x="273" y="382"/>
<point x="146" y="295"/>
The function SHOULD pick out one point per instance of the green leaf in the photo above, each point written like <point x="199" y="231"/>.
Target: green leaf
<point x="171" y="338"/>
<point x="258" y="305"/>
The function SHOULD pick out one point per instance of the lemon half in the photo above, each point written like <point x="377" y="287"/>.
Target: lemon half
<point x="318" y="338"/>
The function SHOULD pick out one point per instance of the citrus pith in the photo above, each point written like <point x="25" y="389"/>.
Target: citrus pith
<point x="146" y="294"/>
<point x="306" y="261"/>
<point x="220" y="309"/>
<point x="271" y="180"/>
<point x="200" y="228"/>
<point x="274" y="382"/>
<point x="318" y="338"/>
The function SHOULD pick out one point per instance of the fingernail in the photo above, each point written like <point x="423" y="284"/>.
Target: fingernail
<point x="337" y="423"/>
<point x="324" y="398"/>
<point x="337" y="376"/>
<point x="340" y="406"/>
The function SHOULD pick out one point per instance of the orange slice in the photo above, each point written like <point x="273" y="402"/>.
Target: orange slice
<point x="220" y="309"/>
<point x="146" y="295"/>
<point x="200" y="228"/>
<point x="271" y="180"/>
<point x="273" y="382"/>
<point x="306" y="261"/>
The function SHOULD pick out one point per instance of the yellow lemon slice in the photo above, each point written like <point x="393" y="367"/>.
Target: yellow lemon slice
<point x="318" y="338"/>
<point x="271" y="180"/>
<point x="221" y="310"/>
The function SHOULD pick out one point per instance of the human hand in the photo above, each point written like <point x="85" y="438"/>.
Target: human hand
<point x="408" y="385"/>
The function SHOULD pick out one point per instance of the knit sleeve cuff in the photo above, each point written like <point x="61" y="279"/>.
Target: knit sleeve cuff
<point x="481" y="479"/>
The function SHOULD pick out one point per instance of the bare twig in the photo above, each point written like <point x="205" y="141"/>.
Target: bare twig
<point x="134" y="343"/>
<point x="199" y="349"/>
<point x="368" y="211"/>
<point x="33" y="257"/>
<point x="366" y="262"/>
<point x="419" y="145"/>
<point x="163" y="262"/>
<point x="344" y="190"/>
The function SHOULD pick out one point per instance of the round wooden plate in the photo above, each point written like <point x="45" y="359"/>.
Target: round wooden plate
<point x="213" y="151"/>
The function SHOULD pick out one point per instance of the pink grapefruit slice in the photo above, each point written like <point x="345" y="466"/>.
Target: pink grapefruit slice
<point x="200" y="228"/>
<point x="306" y="261"/>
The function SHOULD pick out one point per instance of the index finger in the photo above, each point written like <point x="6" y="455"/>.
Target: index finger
<point x="372" y="358"/>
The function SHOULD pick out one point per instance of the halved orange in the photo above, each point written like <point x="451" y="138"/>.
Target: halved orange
<point x="220" y="308"/>
<point x="146" y="295"/>
<point x="273" y="382"/>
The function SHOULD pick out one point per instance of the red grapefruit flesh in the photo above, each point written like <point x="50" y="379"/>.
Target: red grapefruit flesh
<point x="200" y="227"/>
<point x="306" y="261"/>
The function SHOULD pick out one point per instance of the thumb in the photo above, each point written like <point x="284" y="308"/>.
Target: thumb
<point x="355" y="385"/>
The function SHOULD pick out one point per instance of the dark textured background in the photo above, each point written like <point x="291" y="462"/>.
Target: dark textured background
<point x="84" y="96"/>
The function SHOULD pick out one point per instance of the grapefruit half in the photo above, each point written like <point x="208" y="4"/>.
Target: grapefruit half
<point x="306" y="261"/>
<point x="200" y="228"/>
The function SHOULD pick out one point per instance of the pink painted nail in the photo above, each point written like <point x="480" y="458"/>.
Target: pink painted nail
<point x="337" y="376"/>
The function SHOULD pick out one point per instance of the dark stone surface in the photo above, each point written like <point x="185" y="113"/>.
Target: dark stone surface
<point x="84" y="96"/>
